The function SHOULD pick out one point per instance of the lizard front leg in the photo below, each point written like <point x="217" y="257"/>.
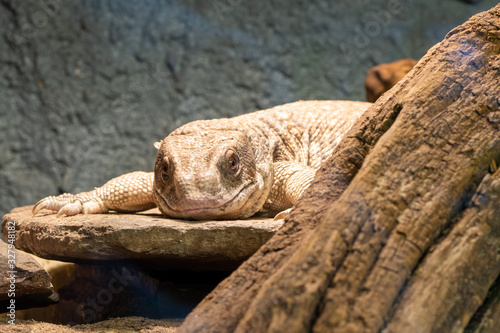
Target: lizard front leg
<point x="291" y="179"/>
<point x="131" y="192"/>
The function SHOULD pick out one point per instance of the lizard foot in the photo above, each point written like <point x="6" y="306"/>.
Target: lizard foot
<point x="70" y="204"/>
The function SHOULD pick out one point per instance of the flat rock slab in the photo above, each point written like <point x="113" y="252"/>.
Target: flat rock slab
<point x="23" y="281"/>
<point x="147" y="238"/>
<point x="122" y="324"/>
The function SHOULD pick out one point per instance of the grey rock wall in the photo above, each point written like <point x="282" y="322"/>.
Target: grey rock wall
<point x="86" y="87"/>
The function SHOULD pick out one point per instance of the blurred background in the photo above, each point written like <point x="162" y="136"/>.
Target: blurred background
<point x="87" y="87"/>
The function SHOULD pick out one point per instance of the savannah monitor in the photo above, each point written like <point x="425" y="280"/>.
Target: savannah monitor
<point x="230" y="168"/>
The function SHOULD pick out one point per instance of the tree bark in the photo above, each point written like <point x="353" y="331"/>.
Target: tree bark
<point x="401" y="227"/>
<point x="487" y="318"/>
<point x="445" y="291"/>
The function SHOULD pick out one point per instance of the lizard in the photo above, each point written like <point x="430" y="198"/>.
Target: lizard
<point x="229" y="168"/>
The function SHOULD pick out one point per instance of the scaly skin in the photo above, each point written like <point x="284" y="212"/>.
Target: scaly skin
<point x="229" y="168"/>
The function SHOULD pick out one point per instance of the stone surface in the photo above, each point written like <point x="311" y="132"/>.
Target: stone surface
<point x="32" y="286"/>
<point x="147" y="238"/>
<point x="61" y="272"/>
<point x="88" y="86"/>
<point x="127" y="324"/>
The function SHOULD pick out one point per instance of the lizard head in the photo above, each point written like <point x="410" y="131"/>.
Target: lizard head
<point x="208" y="175"/>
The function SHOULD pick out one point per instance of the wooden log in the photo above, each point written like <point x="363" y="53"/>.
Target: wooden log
<point x="447" y="288"/>
<point x="487" y="317"/>
<point x="346" y="253"/>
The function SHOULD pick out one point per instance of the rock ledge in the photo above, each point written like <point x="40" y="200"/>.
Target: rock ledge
<point x="146" y="238"/>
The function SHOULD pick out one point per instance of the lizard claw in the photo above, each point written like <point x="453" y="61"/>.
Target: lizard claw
<point x="51" y="203"/>
<point x="38" y="207"/>
<point x="62" y="204"/>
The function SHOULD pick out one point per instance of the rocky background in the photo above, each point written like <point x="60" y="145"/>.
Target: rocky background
<point x="86" y="87"/>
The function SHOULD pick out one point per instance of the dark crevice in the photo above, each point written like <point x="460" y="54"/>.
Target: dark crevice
<point x="481" y="318"/>
<point x="396" y="110"/>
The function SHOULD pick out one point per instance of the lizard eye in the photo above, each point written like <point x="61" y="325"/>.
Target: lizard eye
<point x="233" y="161"/>
<point x="165" y="168"/>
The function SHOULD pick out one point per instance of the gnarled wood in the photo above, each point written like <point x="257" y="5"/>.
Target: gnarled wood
<point x="346" y="253"/>
<point x="447" y="288"/>
<point x="487" y="317"/>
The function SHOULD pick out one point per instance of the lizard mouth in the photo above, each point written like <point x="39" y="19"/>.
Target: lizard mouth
<point x="223" y="210"/>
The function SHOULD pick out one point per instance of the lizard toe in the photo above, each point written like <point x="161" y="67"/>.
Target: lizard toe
<point x="53" y="203"/>
<point x="70" y="209"/>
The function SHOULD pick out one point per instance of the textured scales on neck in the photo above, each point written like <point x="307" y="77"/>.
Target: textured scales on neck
<point x="230" y="168"/>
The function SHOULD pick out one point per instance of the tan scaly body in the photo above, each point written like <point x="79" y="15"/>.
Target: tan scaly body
<point x="229" y="168"/>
